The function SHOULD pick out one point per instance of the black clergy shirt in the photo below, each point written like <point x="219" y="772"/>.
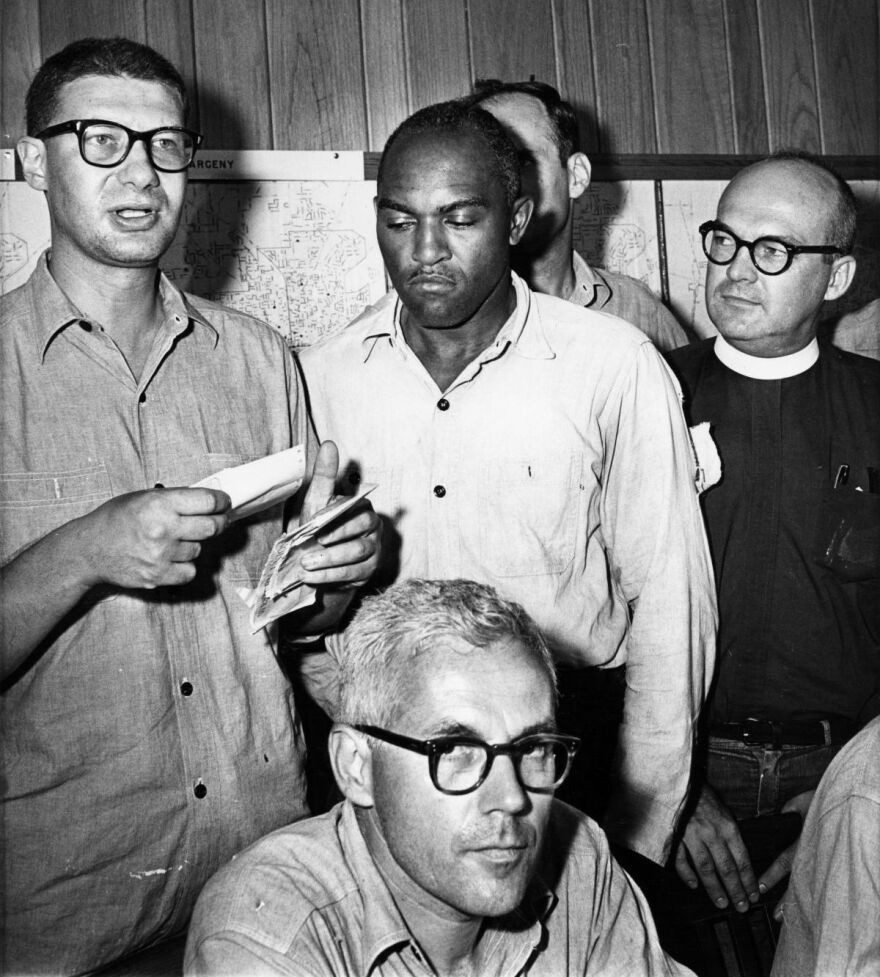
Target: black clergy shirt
<point x="797" y="561"/>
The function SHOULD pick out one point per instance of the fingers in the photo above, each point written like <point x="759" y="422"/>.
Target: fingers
<point x="195" y="501"/>
<point x="360" y="520"/>
<point x="185" y="553"/>
<point x="684" y="869"/>
<point x="323" y="483"/>
<point x="780" y="868"/>
<point x="712" y="849"/>
<point x="347" y="564"/>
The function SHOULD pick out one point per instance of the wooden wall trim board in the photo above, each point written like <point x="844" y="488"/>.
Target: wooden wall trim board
<point x="670" y="77"/>
<point x="687" y="166"/>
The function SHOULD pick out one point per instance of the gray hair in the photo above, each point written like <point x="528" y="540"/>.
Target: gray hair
<point x="392" y="628"/>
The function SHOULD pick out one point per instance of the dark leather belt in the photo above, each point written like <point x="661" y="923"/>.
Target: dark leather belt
<point x="814" y="732"/>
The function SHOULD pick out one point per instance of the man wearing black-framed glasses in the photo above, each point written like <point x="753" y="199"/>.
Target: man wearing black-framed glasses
<point x="449" y="854"/>
<point x="146" y="733"/>
<point x="794" y="522"/>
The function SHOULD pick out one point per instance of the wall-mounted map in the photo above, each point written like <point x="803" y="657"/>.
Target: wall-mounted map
<point x="299" y="255"/>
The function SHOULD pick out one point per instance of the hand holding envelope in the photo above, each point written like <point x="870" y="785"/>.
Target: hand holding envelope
<point x="262" y="483"/>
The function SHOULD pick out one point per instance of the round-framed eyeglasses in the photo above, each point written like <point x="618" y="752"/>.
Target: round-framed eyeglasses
<point x="170" y="149"/>
<point x="769" y="255"/>
<point x="459" y="764"/>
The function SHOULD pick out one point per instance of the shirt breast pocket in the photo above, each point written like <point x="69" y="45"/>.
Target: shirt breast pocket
<point x="528" y="515"/>
<point x="848" y="538"/>
<point x="33" y="504"/>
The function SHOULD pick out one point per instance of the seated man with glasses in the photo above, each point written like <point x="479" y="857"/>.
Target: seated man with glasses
<point x="794" y="523"/>
<point x="147" y="734"/>
<point x="449" y="854"/>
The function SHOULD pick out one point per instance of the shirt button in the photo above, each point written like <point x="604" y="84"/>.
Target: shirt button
<point x="186" y="688"/>
<point x="200" y="790"/>
<point x="439" y="491"/>
<point x="443" y="404"/>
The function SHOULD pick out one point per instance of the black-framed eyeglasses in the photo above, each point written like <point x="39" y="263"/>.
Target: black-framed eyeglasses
<point x="769" y="255"/>
<point x="170" y="149"/>
<point x="459" y="764"/>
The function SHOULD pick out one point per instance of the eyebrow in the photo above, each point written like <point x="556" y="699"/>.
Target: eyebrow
<point x="781" y="238"/>
<point x="386" y="203"/>
<point x="451" y="727"/>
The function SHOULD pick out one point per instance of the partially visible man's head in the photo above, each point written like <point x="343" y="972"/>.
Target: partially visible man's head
<point x="447" y="212"/>
<point x="431" y="660"/>
<point x="561" y="118"/>
<point x="544" y="129"/>
<point x="108" y="56"/>
<point x="796" y="199"/>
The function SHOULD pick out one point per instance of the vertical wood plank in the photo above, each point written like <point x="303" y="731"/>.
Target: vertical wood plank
<point x="61" y="23"/>
<point x="789" y="73"/>
<point x="525" y="45"/>
<point x="574" y="67"/>
<point x="169" y="31"/>
<point x="691" y="94"/>
<point x="316" y="74"/>
<point x="624" y="90"/>
<point x="846" y="36"/>
<point x="22" y="56"/>
<point x="232" y="73"/>
<point x="751" y="133"/>
<point x="385" y="80"/>
<point x="438" y="62"/>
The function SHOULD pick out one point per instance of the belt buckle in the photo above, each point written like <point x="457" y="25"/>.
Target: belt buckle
<point x="761" y="732"/>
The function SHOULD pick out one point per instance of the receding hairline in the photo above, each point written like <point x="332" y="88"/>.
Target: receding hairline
<point x="440" y="137"/>
<point x="455" y="648"/>
<point x="820" y="182"/>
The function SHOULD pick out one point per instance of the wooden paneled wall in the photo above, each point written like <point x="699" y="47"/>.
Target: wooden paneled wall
<point x="647" y="76"/>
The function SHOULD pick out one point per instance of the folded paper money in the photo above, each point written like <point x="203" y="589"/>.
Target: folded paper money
<point x="281" y="589"/>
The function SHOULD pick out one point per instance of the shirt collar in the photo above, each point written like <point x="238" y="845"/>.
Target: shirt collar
<point x="766" y="367"/>
<point x="54" y="311"/>
<point x="590" y="287"/>
<point x="530" y="342"/>
<point x="385" y="928"/>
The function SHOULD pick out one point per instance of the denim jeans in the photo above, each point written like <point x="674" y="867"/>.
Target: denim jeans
<point x="753" y="779"/>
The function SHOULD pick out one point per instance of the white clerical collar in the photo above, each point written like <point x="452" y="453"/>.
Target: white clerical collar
<point x="766" y="367"/>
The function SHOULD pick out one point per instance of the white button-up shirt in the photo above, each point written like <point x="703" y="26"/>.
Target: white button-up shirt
<point x="557" y="467"/>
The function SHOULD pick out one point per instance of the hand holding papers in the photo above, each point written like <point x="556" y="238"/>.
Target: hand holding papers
<point x="346" y="556"/>
<point x="281" y="589"/>
<point x="260" y="484"/>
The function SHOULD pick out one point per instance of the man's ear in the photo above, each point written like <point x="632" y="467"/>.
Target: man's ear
<point x="579" y="173"/>
<point x="352" y="761"/>
<point x="32" y="153"/>
<point x="519" y="218"/>
<point x="842" y="273"/>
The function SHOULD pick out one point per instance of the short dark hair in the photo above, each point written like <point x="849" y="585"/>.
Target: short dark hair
<point x="842" y="233"/>
<point x="563" y="121"/>
<point x="96" y="56"/>
<point x="458" y="116"/>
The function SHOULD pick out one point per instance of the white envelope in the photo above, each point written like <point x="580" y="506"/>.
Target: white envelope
<point x="260" y="484"/>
